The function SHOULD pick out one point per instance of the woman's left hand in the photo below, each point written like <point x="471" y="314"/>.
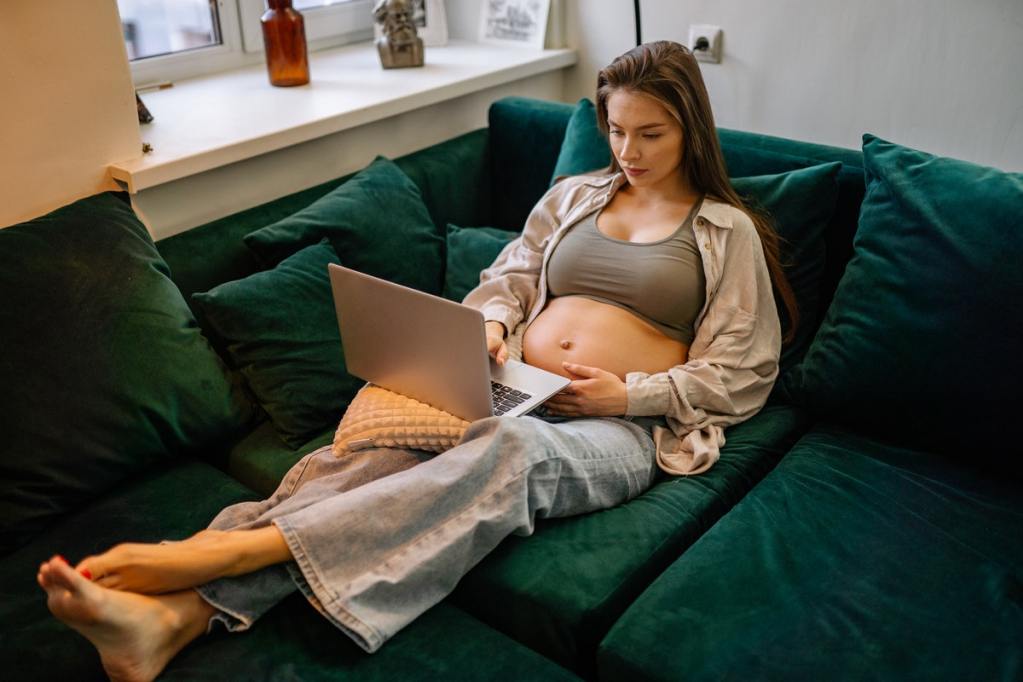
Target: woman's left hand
<point x="594" y="392"/>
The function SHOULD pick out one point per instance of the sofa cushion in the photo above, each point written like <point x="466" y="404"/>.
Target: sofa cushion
<point x="292" y="641"/>
<point x="799" y="203"/>
<point x="469" y="251"/>
<point x="376" y="222"/>
<point x="261" y="459"/>
<point x="280" y="329"/>
<point x="104" y="370"/>
<point x="584" y="148"/>
<point x="560" y="590"/>
<point x="454" y="179"/>
<point x="170" y="501"/>
<point x="935" y="279"/>
<point x="525" y="135"/>
<point x="853" y="559"/>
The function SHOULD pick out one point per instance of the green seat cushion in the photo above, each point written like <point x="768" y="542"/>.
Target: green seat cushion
<point x="584" y="149"/>
<point x="854" y="559"/>
<point x="104" y="370"/>
<point x="470" y="250"/>
<point x="280" y="329"/>
<point x="294" y="642"/>
<point x="170" y="501"/>
<point x="261" y="459"/>
<point x="560" y="590"/>
<point x="921" y="342"/>
<point x="376" y="222"/>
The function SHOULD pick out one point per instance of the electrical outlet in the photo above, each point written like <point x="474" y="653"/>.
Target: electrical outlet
<point x="705" y="42"/>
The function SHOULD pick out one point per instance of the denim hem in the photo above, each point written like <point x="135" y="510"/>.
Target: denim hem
<point x="323" y="598"/>
<point x="232" y="620"/>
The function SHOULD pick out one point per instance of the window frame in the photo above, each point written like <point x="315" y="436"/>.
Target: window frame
<point x="328" y="26"/>
<point x="241" y="40"/>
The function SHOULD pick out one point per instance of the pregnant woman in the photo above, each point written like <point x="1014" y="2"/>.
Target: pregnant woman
<point x="649" y="285"/>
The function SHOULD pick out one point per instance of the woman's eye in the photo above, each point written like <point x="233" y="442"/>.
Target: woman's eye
<point x="616" y="132"/>
<point x="652" y="136"/>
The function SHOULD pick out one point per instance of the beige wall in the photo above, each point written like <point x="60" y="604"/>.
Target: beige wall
<point x="68" y="105"/>
<point x="938" y="75"/>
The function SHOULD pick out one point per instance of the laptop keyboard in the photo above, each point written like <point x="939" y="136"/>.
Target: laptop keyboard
<point x="506" y="397"/>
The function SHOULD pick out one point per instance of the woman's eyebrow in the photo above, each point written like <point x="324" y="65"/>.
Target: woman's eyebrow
<point x="612" y="124"/>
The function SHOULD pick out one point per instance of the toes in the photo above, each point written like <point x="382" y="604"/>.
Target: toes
<point x="59" y="574"/>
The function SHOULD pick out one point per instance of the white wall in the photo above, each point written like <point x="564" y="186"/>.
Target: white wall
<point x="68" y="104"/>
<point x="939" y="75"/>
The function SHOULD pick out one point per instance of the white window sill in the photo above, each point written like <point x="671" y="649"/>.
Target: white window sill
<point x="205" y="123"/>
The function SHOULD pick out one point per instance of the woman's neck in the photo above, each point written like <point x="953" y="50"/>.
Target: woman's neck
<point x="673" y="191"/>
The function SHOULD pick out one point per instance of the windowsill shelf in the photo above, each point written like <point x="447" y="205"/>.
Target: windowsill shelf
<point x="208" y="122"/>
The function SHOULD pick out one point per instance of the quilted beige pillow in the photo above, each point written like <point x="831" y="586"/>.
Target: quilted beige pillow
<point x="378" y="418"/>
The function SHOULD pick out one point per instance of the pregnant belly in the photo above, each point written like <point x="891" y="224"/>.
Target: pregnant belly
<point x="587" y="332"/>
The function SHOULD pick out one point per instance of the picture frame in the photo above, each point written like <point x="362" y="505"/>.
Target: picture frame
<point x="519" y="23"/>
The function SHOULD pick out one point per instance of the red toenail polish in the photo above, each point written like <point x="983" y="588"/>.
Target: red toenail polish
<point x="86" y="573"/>
<point x="61" y="559"/>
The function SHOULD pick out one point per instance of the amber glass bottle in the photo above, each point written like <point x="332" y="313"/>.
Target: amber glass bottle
<point x="287" y="59"/>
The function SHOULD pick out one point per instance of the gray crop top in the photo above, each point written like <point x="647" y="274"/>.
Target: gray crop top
<point x="661" y="282"/>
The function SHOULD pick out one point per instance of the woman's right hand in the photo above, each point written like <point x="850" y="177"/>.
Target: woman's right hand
<point x="496" y="346"/>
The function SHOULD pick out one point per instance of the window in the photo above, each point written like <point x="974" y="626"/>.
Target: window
<point x="169" y="40"/>
<point x="159" y="27"/>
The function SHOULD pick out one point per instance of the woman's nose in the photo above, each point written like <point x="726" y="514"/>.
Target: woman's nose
<point x="629" y="150"/>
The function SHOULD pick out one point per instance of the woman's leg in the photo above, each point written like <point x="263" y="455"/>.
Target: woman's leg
<point x="135" y="635"/>
<point x="375" y="558"/>
<point x="240" y="539"/>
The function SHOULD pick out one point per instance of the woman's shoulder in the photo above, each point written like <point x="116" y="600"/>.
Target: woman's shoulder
<point x="570" y="190"/>
<point x="569" y="183"/>
<point x="725" y="215"/>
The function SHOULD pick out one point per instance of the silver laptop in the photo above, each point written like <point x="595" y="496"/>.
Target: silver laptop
<point x="430" y="349"/>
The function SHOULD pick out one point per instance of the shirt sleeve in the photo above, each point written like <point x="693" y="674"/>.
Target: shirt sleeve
<point x="508" y="288"/>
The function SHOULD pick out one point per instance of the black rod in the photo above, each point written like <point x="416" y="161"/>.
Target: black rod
<point x="639" y="32"/>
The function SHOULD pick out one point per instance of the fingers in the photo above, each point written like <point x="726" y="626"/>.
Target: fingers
<point x="582" y="370"/>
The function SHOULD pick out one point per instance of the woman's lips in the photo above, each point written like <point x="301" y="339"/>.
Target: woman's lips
<point x="634" y="172"/>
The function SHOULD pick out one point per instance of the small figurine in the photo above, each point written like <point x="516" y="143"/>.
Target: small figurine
<point x="399" y="46"/>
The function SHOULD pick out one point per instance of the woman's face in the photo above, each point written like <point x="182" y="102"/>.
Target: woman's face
<point x="645" y="139"/>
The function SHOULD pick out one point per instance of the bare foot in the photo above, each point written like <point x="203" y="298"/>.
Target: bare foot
<point x="135" y="635"/>
<point x="162" y="568"/>
<point x="174" y="566"/>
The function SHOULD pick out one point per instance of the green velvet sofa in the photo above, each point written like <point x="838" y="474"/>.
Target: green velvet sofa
<point x="865" y="524"/>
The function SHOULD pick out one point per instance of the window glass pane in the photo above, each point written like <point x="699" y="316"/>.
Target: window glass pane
<point x="157" y="27"/>
<point x="310" y="4"/>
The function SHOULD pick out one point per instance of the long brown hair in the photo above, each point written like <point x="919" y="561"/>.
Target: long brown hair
<point x="667" y="72"/>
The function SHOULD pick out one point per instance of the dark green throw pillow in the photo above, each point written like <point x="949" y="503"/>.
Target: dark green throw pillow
<point x="922" y="340"/>
<point x="584" y="148"/>
<point x="800" y="204"/>
<point x="377" y="224"/>
<point x="471" y="250"/>
<point x="103" y="368"/>
<point x="280" y="329"/>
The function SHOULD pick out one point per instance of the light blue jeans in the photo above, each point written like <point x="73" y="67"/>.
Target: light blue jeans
<point x="380" y="536"/>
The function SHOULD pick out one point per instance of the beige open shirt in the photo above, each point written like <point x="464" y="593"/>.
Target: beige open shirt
<point x="733" y="359"/>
